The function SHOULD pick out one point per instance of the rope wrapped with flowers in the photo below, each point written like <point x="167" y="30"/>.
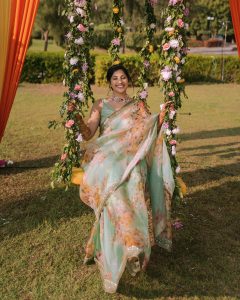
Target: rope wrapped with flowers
<point x="118" y="26"/>
<point x="76" y="70"/>
<point x="173" y="52"/>
<point x="148" y="49"/>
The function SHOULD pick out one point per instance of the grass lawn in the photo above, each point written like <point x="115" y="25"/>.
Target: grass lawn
<point x="43" y="231"/>
<point x="38" y="46"/>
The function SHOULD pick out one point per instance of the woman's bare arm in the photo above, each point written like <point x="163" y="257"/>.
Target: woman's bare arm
<point x="94" y="119"/>
<point x="89" y="129"/>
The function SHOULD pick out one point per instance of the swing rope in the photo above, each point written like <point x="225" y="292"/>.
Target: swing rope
<point x="78" y="69"/>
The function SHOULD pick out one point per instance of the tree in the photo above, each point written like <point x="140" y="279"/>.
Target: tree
<point x="49" y="18"/>
<point x="201" y="9"/>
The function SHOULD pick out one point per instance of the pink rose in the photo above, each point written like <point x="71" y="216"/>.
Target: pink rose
<point x="166" y="46"/>
<point x="77" y="87"/>
<point x="63" y="156"/>
<point x="116" y="42"/>
<point x="186" y="11"/>
<point x="143" y="94"/>
<point x="180" y="23"/>
<point x="171" y="94"/>
<point x="165" y="125"/>
<point x="173" y="142"/>
<point x="81" y="28"/>
<point x="69" y="123"/>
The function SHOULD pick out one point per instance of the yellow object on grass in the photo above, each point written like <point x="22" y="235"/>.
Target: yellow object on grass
<point x="77" y="175"/>
<point x="182" y="186"/>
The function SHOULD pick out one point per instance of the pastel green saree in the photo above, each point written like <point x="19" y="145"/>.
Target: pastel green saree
<point x="125" y="166"/>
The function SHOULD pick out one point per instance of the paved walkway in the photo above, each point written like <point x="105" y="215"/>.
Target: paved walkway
<point x="228" y="50"/>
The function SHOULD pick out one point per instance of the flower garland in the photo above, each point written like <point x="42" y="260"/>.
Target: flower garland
<point x="118" y="25"/>
<point x="148" y="49"/>
<point x="173" y="53"/>
<point x="76" y="69"/>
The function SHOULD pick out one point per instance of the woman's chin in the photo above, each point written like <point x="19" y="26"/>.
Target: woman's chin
<point x="120" y="91"/>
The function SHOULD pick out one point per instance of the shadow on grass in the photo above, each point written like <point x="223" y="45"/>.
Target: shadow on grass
<point x="208" y="147"/>
<point x="204" y="260"/>
<point x="202" y="176"/>
<point x="210" y="134"/>
<point x="50" y="205"/>
<point x="25" y="165"/>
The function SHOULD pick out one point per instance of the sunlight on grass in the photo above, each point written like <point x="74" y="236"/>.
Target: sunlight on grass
<point x="38" y="46"/>
<point x="43" y="231"/>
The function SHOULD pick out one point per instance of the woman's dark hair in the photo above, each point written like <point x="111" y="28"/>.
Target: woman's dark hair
<point x="115" y="68"/>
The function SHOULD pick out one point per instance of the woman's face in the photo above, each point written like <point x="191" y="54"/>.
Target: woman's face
<point x="119" y="82"/>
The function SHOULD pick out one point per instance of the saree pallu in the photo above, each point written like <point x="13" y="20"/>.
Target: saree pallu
<point x="127" y="164"/>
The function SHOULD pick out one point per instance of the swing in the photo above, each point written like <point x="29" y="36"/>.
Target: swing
<point x="77" y="75"/>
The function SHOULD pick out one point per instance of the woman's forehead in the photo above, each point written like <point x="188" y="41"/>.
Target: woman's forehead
<point x="119" y="73"/>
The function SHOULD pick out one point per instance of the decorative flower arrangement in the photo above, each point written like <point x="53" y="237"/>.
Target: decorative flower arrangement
<point x="148" y="49"/>
<point x="76" y="69"/>
<point x="118" y="26"/>
<point x="173" y="53"/>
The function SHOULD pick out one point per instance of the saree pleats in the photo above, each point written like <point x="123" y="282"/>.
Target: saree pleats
<point x="128" y="163"/>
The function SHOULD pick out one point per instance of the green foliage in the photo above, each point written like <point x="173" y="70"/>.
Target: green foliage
<point x="209" y="69"/>
<point x="45" y="67"/>
<point x="136" y="40"/>
<point x="133" y="64"/>
<point x="218" y="9"/>
<point x="102" y="38"/>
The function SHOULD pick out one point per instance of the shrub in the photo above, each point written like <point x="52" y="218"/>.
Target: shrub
<point x="102" y="38"/>
<point x="45" y="67"/>
<point x="132" y="63"/>
<point x="208" y="69"/>
<point x="136" y="41"/>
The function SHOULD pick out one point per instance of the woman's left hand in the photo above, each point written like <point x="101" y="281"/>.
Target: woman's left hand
<point x="163" y="111"/>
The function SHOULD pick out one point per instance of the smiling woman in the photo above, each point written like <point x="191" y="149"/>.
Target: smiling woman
<point x="128" y="159"/>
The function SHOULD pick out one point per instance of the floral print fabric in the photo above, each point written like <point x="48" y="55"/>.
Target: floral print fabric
<point x="127" y="164"/>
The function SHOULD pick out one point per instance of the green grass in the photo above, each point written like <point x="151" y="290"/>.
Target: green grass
<point x="43" y="231"/>
<point x="38" y="46"/>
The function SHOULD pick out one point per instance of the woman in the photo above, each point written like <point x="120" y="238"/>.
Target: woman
<point x="127" y="164"/>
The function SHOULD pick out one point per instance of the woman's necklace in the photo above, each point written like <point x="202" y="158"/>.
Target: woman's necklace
<point x="120" y="99"/>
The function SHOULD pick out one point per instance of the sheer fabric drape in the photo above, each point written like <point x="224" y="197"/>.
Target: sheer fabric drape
<point x="16" y="22"/>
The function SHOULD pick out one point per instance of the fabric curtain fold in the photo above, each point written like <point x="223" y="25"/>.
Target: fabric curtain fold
<point x="5" y="9"/>
<point x="235" y="12"/>
<point x="20" y="23"/>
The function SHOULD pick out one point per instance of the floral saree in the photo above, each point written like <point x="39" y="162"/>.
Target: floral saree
<point x="125" y="166"/>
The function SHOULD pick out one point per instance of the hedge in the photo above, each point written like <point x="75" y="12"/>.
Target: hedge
<point x="47" y="67"/>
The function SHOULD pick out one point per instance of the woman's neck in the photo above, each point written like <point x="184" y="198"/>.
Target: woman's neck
<point x="120" y="95"/>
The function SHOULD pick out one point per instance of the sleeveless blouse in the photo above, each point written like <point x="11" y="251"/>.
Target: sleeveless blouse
<point x="106" y="111"/>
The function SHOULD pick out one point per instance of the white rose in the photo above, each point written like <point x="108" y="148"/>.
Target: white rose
<point x="80" y="96"/>
<point x="178" y="169"/>
<point x="173" y="150"/>
<point x="73" y="61"/>
<point x="169" y="29"/>
<point x="168" y="132"/>
<point x="174" y="43"/>
<point x="79" y="41"/>
<point x="176" y="130"/>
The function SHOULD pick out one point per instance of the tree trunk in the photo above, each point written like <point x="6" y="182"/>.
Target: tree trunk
<point x="46" y="40"/>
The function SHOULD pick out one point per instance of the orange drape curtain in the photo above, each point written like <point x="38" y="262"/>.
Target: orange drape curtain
<point x="22" y="16"/>
<point x="235" y="12"/>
